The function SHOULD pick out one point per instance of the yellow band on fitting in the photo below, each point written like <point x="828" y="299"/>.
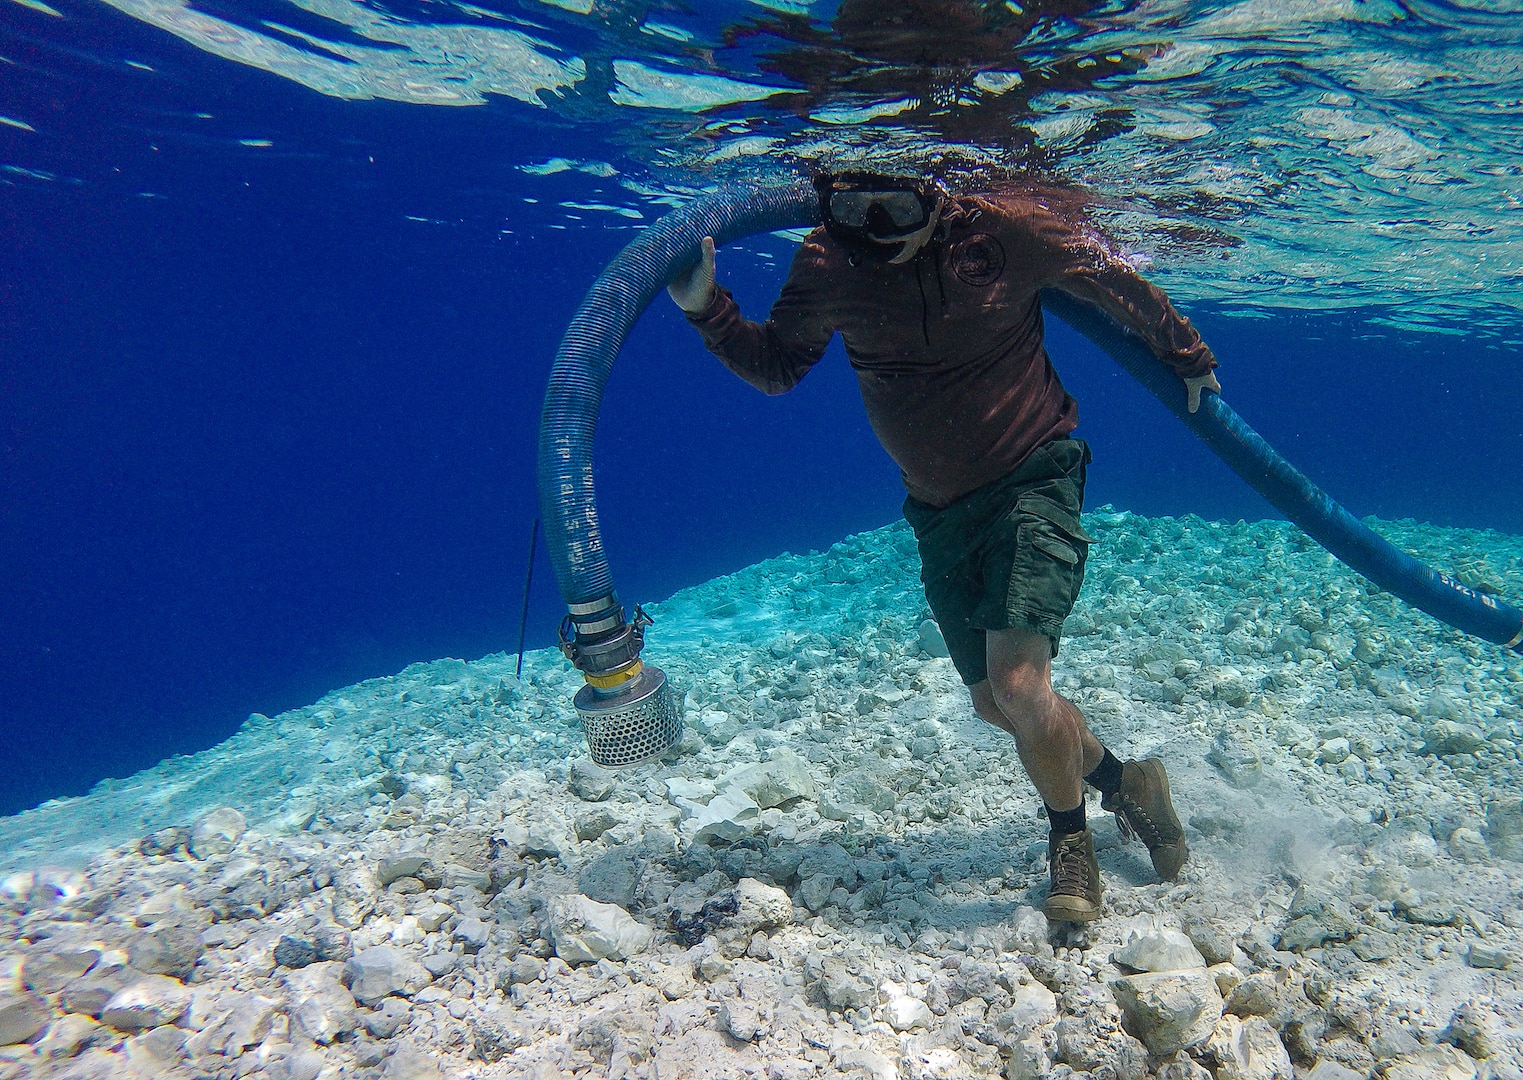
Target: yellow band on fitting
<point x="1516" y="639"/>
<point x="618" y="678"/>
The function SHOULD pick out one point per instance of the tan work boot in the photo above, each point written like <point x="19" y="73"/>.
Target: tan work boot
<point x="1143" y="808"/>
<point x="1075" y="893"/>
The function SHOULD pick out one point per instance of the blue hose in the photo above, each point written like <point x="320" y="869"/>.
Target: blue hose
<point x="639" y="272"/>
<point x="1247" y="454"/>
<point x="597" y="332"/>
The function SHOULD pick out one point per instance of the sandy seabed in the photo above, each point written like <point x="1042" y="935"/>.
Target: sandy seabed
<point x="839" y="871"/>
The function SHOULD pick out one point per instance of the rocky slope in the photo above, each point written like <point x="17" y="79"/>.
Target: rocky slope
<point x="838" y="873"/>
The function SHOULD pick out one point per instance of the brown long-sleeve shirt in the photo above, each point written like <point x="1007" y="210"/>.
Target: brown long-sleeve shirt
<point x="948" y="346"/>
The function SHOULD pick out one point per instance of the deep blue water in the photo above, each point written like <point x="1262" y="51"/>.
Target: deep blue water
<point x="263" y="434"/>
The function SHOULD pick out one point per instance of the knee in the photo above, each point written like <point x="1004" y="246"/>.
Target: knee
<point x="1020" y="676"/>
<point x="1023" y="694"/>
<point x="986" y="707"/>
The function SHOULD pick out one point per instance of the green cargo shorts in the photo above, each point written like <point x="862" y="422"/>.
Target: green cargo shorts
<point x="1010" y="554"/>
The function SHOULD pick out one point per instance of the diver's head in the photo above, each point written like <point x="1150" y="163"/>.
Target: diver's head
<point x="889" y="218"/>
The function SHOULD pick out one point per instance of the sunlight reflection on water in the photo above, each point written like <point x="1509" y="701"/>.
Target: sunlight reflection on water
<point x="1303" y="153"/>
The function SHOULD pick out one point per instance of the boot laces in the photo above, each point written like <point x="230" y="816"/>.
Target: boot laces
<point x="1070" y="869"/>
<point x="1132" y="820"/>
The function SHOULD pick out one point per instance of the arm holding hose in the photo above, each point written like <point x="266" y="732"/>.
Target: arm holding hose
<point x="1077" y="261"/>
<point x="772" y="356"/>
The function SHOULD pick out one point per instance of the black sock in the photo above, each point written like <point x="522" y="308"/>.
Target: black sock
<point x="1065" y="822"/>
<point x="1106" y="777"/>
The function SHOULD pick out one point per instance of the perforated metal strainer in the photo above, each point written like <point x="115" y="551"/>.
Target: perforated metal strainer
<point x="638" y="721"/>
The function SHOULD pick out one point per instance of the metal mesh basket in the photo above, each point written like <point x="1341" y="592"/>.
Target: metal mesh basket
<point x="638" y="723"/>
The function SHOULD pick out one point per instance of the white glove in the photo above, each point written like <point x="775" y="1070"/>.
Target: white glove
<point x="693" y="290"/>
<point x="1194" y="386"/>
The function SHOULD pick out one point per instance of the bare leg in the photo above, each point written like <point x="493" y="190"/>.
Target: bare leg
<point x="1055" y="745"/>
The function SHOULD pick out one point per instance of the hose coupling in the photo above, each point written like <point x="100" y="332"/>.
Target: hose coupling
<point x="627" y="709"/>
<point x="601" y="645"/>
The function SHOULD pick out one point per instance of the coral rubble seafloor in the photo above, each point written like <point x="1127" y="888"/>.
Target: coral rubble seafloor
<point x="839" y="870"/>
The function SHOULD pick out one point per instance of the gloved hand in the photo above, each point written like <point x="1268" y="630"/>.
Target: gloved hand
<point x="1194" y="386"/>
<point x="694" y="289"/>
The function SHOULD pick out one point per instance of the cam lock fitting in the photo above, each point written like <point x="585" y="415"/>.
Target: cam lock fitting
<point x="601" y="645"/>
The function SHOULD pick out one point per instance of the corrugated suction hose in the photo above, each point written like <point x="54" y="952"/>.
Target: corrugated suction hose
<point x="1340" y="532"/>
<point x="597" y="332"/>
<point x="622" y="292"/>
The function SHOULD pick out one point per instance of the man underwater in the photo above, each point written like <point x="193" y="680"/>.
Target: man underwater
<point x="936" y="298"/>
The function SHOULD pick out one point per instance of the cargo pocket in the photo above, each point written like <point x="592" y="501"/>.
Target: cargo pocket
<point x="1067" y="530"/>
<point x="1052" y="549"/>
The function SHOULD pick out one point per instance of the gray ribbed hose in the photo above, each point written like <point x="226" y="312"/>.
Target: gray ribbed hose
<point x="596" y="334"/>
<point x="671" y="245"/>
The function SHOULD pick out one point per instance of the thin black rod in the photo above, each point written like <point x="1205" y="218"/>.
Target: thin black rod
<point x="523" y="619"/>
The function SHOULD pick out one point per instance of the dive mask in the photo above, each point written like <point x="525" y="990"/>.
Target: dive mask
<point x="888" y="217"/>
